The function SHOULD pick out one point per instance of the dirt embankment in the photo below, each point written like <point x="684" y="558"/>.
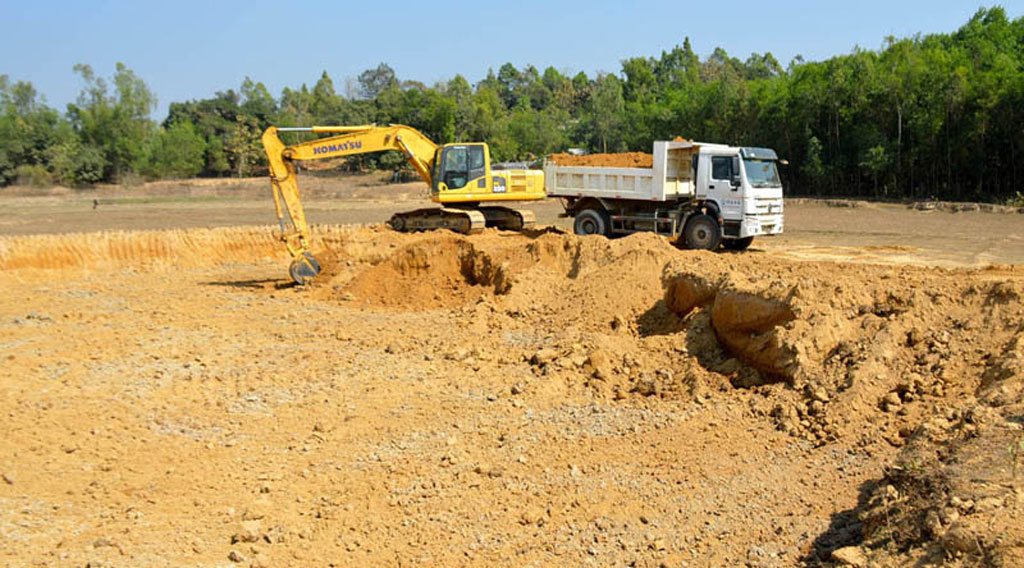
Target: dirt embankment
<point x="506" y="399"/>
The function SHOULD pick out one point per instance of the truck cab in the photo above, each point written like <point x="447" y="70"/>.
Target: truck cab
<point x="743" y="185"/>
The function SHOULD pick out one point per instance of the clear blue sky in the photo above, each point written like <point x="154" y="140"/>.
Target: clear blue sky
<point x="187" y="49"/>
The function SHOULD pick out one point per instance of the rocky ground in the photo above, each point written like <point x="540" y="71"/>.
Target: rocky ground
<point x="502" y="399"/>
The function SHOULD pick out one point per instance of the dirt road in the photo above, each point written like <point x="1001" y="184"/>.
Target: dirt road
<point x="507" y="399"/>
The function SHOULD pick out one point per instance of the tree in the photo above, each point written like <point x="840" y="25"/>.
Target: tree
<point x="214" y="120"/>
<point x="876" y="160"/>
<point x="761" y="66"/>
<point x="607" y="106"/>
<point x="459" y="91"/>
<point x="176" y="152"/>
<point x="256" y="101"/>
<point x="72" y="163"/>
<point x="116" y="123"/>
<point x="28" y="128"/>
<point x="373" y="82"/>
<point x="811" y="167"/>
<point x="325" y="105"/>
<point x="438" y="117"/>
<point x="509" y="81"/>
<point x="243" y="147"/>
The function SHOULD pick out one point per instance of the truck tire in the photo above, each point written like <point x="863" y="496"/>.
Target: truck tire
<point x="592" y="222"/>
<point x="737" y="244"/>
<point x="702" y="232"/>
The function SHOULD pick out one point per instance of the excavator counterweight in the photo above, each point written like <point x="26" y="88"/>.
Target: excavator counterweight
<point x="458" y="176"/>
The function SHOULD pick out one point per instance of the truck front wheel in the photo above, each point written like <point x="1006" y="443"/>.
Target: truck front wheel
<point x="591" y="222"/>
<point x="702" y="232"/>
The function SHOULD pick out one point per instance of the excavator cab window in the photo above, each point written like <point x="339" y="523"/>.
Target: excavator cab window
<point x="459" y="164"/>
<point x="476" y="162"/>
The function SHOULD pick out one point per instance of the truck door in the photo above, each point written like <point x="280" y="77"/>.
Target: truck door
<point x="724" y="186"/>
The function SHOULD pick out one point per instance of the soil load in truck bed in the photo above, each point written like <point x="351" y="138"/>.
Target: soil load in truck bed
<point x="623" y="160"/>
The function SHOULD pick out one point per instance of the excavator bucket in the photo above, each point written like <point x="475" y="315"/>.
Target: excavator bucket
<point x="304" y="269"/>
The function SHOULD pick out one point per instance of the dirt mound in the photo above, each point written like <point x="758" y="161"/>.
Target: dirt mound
<point x="439" y="271"/>
<point x="857" y="344"/>
<point x="552" y="273"/>
<point x="623" y="160"/>
<point x="852" y="343"/>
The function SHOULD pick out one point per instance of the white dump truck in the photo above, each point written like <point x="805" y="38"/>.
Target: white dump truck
<point x="705" y="195"/>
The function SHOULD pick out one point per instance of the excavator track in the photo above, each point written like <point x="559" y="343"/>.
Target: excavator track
<point x="507" y="218"/>
<point x="465" y="221"/>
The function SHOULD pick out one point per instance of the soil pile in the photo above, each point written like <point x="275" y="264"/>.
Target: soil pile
<point x="853" y="344"/>
<point x="623" y="160"/>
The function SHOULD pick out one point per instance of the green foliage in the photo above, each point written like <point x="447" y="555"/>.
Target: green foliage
<point x="812" y="168"/>
<point x="73" y="164"/>
<point x="374" y="82"/>
<point x="115" y="122"/>
<point x="242" y="146"/>
<point x="876" y="161"/>
<point x="33" y="175"/>
<point x="176" y="152"/>
<point x="604" y="125"/>
<point x="439" y="117"/>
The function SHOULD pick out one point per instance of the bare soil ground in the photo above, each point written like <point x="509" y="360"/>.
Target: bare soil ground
<point x="849" y="394"/>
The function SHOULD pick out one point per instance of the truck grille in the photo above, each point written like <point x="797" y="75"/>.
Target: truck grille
<point x="768" y="206"/>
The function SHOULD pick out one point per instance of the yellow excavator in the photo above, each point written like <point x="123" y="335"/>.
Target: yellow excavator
<point x="459" y="177"/>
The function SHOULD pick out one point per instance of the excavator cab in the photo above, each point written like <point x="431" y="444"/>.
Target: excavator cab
<point x="461" y="174"/>
<point x="460" y="165"/>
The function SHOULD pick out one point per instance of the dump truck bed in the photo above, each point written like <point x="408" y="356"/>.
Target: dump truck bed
<point x="670" y="179"/>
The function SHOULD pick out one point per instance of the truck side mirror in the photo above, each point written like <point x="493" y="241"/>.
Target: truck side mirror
<point x="734" y="180"/>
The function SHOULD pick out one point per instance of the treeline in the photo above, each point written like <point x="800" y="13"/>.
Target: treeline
<point x="929" y="116"/>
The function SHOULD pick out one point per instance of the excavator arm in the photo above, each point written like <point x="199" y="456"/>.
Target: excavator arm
<point x="350" y="141"/>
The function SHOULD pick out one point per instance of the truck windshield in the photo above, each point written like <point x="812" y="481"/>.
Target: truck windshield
<point x="761" y="173"/>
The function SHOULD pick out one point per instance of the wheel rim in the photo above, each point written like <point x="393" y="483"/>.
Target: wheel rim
<point x="588" y="227"/>
<point x="701" y="236"/>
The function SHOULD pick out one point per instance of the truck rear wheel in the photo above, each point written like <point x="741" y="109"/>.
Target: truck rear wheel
<point x="592" y="222"/>
<point x="737" y="244"/>
<point x="702" y="232"/>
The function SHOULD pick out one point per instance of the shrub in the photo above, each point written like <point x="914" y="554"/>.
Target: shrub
<point x="74" y="164"/>
<point x="33" y="175"/>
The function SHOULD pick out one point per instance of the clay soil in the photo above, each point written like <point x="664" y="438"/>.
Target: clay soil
<point x="838" y="395"/>
<point x="621" y="160"/>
